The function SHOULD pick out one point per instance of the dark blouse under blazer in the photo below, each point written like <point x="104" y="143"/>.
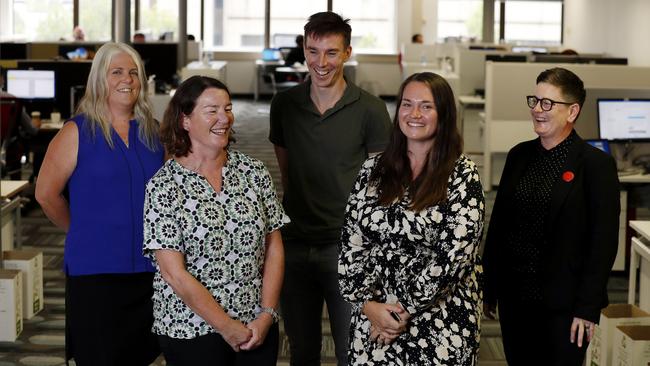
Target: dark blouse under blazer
<point x="581" y="230"/>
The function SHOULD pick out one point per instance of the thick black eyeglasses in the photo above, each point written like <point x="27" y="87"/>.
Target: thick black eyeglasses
<point x="547" y="104"/>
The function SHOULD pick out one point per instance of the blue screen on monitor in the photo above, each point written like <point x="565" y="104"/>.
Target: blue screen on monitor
<point x="271" y="54"/>
<point x="624" y="119"/>
<point x="600" y="144"/>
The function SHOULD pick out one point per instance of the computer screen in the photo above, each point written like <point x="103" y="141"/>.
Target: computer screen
<point x="284" y="40"/>
<point x="271" y="54"/>
<point x="600" y="144"/>
<point x="31" y="84"/>
<point x="624" y="119"/>
<point x="506" y="58"/>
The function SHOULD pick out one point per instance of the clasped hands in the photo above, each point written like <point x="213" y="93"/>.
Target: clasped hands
<point x="246" y="337"/>
<point x="387" y="321"/>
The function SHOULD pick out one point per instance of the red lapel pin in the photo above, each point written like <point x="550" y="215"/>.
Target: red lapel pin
<point x="568" y="176"/>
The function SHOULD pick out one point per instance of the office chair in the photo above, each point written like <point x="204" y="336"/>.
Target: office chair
<point x="269" y="78"/>
<point x="11" y="150"/>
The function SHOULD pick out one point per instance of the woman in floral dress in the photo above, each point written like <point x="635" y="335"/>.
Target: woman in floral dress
<point x="409" y="260"/>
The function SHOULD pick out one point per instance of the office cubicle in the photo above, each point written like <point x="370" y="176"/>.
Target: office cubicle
<point x="507" y="117"/>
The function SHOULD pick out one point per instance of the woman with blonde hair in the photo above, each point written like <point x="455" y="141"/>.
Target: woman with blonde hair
<point x="104" y="156"/>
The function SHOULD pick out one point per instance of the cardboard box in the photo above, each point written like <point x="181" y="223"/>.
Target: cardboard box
<point x="11" y="304"/>
<point x="600" y="349"/>
<point x="632" y="345"/>
<point x="31" y="263"/>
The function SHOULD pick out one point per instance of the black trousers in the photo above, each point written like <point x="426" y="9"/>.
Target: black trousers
<point x="109" y="318"/>
<point x="212" y="350"/>
<point x="311" y="277"/>
<point x="534" y="335"/>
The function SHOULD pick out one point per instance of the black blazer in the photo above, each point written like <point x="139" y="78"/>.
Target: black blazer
<point x="581" y="230"/>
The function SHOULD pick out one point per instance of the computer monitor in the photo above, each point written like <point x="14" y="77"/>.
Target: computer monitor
<point x="624" y="119"/>
<point x="576" y="59"/>
<point x="159" y="59"/>
<point x="271" y="54"/>
<point x="600" y="144"/>
<point x="67" y="74"/>
<point x="13" y="51"/>
<point x="31" y="84"/>
<point x="506" y="58"/>
<point x="284" y="40"/>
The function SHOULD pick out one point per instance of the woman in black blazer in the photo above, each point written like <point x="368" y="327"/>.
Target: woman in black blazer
<point x="553" y="233"/>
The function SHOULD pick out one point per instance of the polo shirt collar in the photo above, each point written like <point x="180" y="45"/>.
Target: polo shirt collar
<point x="351" y="94"/>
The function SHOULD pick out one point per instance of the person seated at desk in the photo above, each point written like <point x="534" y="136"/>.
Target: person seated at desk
<point x="15" y="144"/>
<point x="297" y="54"/>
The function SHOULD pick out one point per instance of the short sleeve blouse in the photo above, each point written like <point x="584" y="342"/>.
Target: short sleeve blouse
<point x="222" y="236"/>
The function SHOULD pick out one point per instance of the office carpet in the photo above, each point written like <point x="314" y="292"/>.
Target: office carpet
<point x="42" y="340"/>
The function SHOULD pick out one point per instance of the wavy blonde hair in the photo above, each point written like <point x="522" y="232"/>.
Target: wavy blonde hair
<point x="94" y="103"/>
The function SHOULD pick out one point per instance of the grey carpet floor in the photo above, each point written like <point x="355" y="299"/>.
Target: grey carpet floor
<point x="42" y="340"/>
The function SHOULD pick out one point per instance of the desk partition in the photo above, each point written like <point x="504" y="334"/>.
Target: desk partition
<point x="507" y="117"/>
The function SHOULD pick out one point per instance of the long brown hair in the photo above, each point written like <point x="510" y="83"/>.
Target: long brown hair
<point x="393" y="175"/>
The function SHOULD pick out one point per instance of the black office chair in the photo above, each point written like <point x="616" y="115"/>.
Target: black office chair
<point x="11" y="149"/>
<point x="270" y="78"/>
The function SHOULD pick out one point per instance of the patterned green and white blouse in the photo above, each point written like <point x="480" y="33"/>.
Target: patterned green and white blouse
<point x="221" y="235"/>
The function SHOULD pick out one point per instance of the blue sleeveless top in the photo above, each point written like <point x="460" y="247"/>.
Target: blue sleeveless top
<point x="106" y="202"/>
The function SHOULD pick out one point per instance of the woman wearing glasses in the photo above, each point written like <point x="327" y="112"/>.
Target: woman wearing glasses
<point x="553" y="233"/>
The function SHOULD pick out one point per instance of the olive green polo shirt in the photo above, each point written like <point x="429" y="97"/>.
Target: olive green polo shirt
<point x="325" y="153"/>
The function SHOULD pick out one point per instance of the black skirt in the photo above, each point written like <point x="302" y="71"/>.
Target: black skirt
<point x="108" y="320"/>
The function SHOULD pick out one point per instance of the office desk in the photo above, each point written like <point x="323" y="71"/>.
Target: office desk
<point x="298" y="72"/>
<point x="10" y="191"/>
<point x="39" y="143"/>
<point x="635" y="178"/>
<point x="214" y="69"/>
<point x="262" y="67"/>
<point x="640" y="258"/>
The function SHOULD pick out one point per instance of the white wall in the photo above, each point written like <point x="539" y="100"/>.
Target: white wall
<point x="619" y="28"/>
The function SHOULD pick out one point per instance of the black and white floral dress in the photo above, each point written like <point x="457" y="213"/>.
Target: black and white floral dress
<point x="428" y="261"/>
<point x="221" y="235"/>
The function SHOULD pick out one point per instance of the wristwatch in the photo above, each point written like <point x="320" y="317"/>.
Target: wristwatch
<point x="274" y="314"/>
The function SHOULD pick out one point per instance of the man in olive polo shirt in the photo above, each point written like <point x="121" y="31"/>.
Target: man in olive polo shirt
<point x="323" y="130"/>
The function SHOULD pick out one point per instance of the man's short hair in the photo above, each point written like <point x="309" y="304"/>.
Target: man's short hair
<point x="328" y="23"/>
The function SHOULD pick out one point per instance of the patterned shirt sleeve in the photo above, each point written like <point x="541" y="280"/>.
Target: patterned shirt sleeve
<point x="275" y="216"/>
<point x="161" y="228"/>
<point x="434" y="274"/>
<point x="357" y="276"/>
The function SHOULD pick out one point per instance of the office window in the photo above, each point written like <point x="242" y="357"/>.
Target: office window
<point x="288" y="18"/>
<point x="234" y="25"/>
<point x="38" y="20"/>
<point x="159" y="19"/>
<point x="95" y="19"/>
<point x="194" y="18"/>
<point x="460" y="18"/>
<point x="533" y="22"/>
<point x="374" y="28"/>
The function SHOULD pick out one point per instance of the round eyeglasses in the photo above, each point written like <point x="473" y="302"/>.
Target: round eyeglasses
<point x="547" y="104"/>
